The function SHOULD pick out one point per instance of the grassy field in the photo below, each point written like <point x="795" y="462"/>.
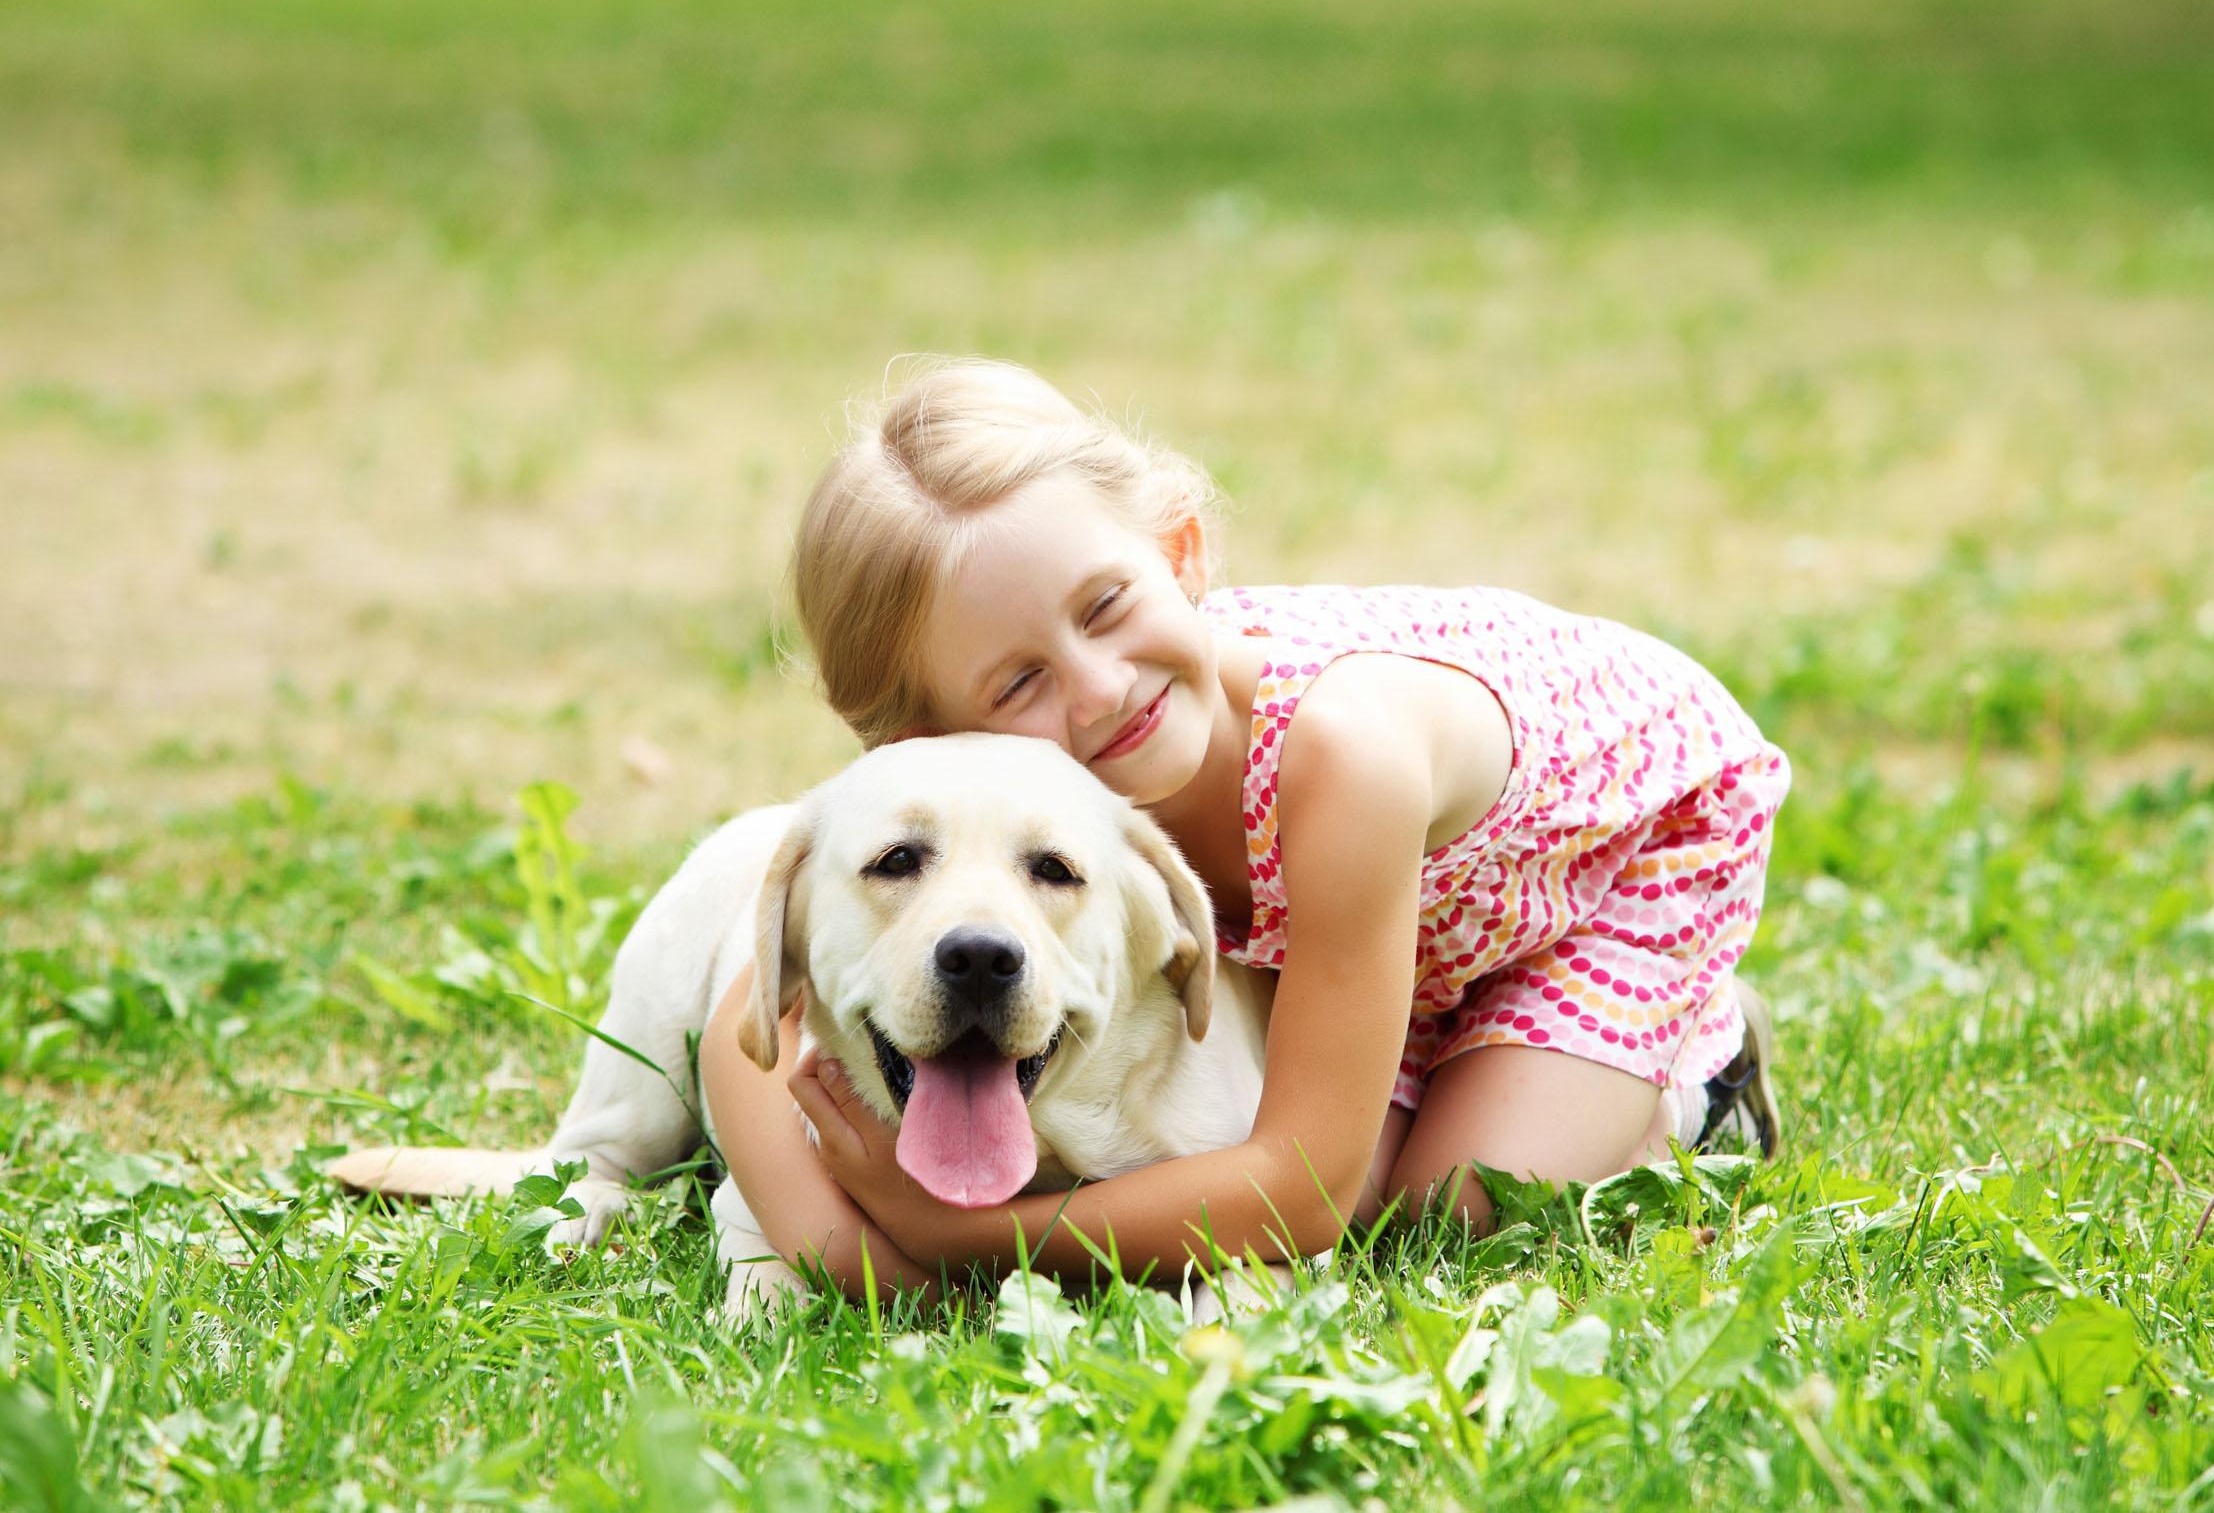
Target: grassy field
<point x="402" y="404"/>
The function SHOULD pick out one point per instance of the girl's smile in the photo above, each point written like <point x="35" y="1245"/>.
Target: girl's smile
<point x="1133" y="735"/>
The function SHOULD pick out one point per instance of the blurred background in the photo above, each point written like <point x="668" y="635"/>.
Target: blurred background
<point x="418" y="397"/>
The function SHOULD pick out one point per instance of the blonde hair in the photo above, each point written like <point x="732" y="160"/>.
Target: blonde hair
<point x="893" y="511"/>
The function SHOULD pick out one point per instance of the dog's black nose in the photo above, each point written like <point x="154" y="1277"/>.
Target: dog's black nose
<point x="978" y="966"/>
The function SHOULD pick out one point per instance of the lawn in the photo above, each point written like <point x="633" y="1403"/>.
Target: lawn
<point x="403" y="406"/>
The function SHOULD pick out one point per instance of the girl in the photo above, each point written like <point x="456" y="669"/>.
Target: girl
<point x="1504" y="858"/>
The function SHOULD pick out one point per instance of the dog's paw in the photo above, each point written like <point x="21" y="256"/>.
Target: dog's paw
<point x="759" y="1290"/>
<point x="601" y="1201"/>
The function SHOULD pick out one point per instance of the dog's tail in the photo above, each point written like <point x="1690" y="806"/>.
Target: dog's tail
<point x="422" y="1171"/>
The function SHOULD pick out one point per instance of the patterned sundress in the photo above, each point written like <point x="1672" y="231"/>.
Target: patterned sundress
<point x="1601" y="905"/>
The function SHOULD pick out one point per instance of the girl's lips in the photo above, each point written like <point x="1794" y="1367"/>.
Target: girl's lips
<point x="1133" y="735"/>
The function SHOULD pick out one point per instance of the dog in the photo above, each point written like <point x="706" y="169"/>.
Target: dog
<point x="1015" y="966"/>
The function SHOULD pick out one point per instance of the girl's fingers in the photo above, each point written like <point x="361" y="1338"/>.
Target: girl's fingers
<point x="832" y="1075"/>
<point x="825" y="1109"/>
<point x="856" y="1144"/>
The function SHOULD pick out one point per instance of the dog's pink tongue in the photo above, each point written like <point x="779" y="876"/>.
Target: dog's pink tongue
<point x="966" y="1133"/>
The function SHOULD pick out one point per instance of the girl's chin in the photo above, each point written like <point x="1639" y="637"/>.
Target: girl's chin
<point x="1160" y="770"/>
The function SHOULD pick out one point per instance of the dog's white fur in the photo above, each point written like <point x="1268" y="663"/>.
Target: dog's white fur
<point x="1160" y="1046"/>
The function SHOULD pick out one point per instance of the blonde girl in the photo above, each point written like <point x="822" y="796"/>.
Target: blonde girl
<point x="1504" y="858"/>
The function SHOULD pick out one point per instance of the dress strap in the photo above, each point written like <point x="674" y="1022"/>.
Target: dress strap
<point x="1283" y="683"/>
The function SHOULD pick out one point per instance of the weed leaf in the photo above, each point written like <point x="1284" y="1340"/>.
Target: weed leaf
<point x="38" y="1454"/>
<point x="1031" y="1309"/>
<point x="1718" y="1344"/>
<point x="2089" y="1350"/>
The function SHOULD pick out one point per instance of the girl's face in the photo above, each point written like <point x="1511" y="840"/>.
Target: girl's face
<point x="1064" y="623"/>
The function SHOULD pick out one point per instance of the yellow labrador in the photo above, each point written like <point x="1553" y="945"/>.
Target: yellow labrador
<point x="1015" y="966"/>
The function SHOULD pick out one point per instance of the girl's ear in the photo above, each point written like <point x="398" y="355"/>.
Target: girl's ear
<point x="1185" y="546"/>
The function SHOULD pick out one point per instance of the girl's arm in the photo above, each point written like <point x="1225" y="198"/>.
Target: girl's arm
<point x="1354" y="807"/>
<point x="801" y="1209"/>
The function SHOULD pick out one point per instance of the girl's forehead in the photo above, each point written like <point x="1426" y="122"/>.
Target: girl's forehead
<point x="1035" y="548"/>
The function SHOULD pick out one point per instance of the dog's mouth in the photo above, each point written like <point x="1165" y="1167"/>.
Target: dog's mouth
<point x="964" y="1129"/>
<point x="899" y="1069"/>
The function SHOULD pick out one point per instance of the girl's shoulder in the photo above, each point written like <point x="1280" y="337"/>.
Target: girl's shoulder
<point x="1523" y="647"/>
<point x="1431" y="716"/>
<point x="1450" y="624"/>
<point x="1572" y="687"/>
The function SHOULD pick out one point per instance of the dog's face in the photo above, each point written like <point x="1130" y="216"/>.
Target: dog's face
<point x="973" y="918"/>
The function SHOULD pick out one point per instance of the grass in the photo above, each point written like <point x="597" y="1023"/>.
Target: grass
<point x="405" y="404"/>
<point x="510" y="117"/>
<point x="1979" y="1277"/>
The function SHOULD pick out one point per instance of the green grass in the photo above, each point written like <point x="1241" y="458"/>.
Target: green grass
<point x="978" y="109"/>
<point x="403" y="403"/>
<point x="1977" y="1276"/>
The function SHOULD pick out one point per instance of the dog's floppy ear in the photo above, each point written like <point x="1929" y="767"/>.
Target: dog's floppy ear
<point x="1190" y="968"/>
<point x="776" y="975"/>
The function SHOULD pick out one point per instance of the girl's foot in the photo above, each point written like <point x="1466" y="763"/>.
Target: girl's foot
<point x="1740" y="1098"/>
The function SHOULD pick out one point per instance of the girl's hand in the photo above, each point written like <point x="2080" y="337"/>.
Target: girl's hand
<point x="859" y="1150"/>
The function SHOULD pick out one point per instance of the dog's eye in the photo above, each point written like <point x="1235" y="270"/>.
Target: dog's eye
<point x="1048" y="868"/>
<point x="900" y="861"/>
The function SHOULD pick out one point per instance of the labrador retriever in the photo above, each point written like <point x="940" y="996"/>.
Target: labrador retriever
<point x="1014" y="964"/>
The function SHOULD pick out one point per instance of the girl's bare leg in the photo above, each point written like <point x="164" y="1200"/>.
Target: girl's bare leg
<point x="1529" y="1112"/>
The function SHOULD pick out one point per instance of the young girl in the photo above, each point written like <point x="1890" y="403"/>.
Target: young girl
<point x="1504" y="858"/>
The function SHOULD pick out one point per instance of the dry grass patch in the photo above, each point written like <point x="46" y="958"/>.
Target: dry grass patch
<point x="395" y="521"/>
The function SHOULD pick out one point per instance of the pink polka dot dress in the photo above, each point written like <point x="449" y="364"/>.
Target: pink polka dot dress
<point x="1600" y="907"/>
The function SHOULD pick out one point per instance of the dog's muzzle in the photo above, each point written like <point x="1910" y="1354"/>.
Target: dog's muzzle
<point x="899" y="1070"/>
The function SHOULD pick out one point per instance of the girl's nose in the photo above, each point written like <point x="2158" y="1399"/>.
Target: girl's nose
<point x="1098" y="688"/>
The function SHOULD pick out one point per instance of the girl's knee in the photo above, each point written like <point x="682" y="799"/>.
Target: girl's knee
<point x="1422" y="1190"/>
<point x="1538" y="1114"/>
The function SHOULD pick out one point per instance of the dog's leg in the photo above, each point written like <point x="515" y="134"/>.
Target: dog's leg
<point x="760" y="1281"/>
<point x="631" y="1115"/>
<point x="636" y="1111"/>
<point x="626" y="1121"/>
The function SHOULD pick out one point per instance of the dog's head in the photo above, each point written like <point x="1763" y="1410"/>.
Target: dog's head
<point x="968" y="917"/>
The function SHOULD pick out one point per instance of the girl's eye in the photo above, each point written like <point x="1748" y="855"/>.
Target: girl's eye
<point x="900" y="861"/>
<point x="1007" y="694"/>
<point x="1053" y="870"/>
<point x="1106" y="602"/>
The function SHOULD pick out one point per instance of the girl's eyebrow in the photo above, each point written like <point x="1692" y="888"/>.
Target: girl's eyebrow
<point x="1079" y="597"/>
